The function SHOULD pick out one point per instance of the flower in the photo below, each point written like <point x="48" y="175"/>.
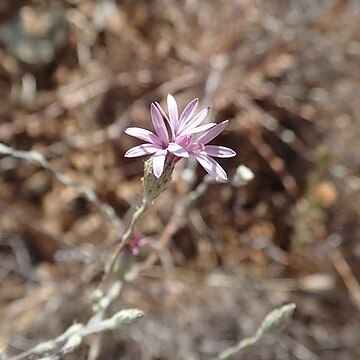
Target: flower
<point x="136" y="243"/>
<point x="157" y="144"/>
<point x="166" y="151"/>
<point x="186" y="124"/>
<point x="204" y="153"/>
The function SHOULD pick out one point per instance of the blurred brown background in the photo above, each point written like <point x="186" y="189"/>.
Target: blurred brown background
<point x="75" y="73"/>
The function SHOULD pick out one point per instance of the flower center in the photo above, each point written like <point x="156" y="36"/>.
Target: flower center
<point x="184" y="141"/>
<point x="198" y="147"/>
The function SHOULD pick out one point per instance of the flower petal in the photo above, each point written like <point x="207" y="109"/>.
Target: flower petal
<point x="197" y="120"/>
<point x="163" y="113"/>
<point x="159" y="125"/>
<point x="201" y="128"/>
<point x="212" y="133"/>
<point x="188" y="111"/>
<point x="219" y="151"/>
<point x="177" y="150"/>
<point x="158" y="162"/>
<point x="173" y="111"/>
<point x="141" y="150"/>
<point x="211" y="166"/>
<point x="142" y="134"/>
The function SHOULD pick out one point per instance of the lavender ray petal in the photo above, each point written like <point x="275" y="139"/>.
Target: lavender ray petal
<point x="197" y="120"/>
<point x="159" y="125"/>
<point x="212" y="133"/>
<point x="141" y="150"/>
<point x="163" y="113"/>
<point x="188" y="111"/>
<point x="142" y="134"/>
<point x="201" y="128"/>
<point x="219" y="151"/>
<point x="173" y="111"/>
<point x="158" y="162"/>
<point x="211" y="166"/>
<point x="177" y="150"/>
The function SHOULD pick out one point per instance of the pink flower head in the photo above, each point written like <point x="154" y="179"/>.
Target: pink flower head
<point x="135" y="244"/>
<point x="204" y="153"/>
<point x="186" y="124"/>
<point x="181" y="142"/>
<point x="157" y="144"/>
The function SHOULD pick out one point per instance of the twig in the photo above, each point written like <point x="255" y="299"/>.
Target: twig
<point x="38" y="159"/>
<point x="274" y="322"/>
<point x="325" y="21"/>
<point x="276" y="164"/>
<point x="72" y="337"/>
<point x="125" y="238"/>
<point x="174" y="222"/>
<point x="346" y="274"/>
<point x="28" y="221"/>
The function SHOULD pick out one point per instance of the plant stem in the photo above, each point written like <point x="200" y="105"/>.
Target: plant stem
<point x="226" y="354"/>
<point x="126" y="237"/>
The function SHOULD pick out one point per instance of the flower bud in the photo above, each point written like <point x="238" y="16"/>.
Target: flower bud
<point x="126" y="316"/>
<point x="72" y="343"/>
<point x="45" y="347"/>
<point x="154" y="186"/>
<point x="277" y="319"/>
